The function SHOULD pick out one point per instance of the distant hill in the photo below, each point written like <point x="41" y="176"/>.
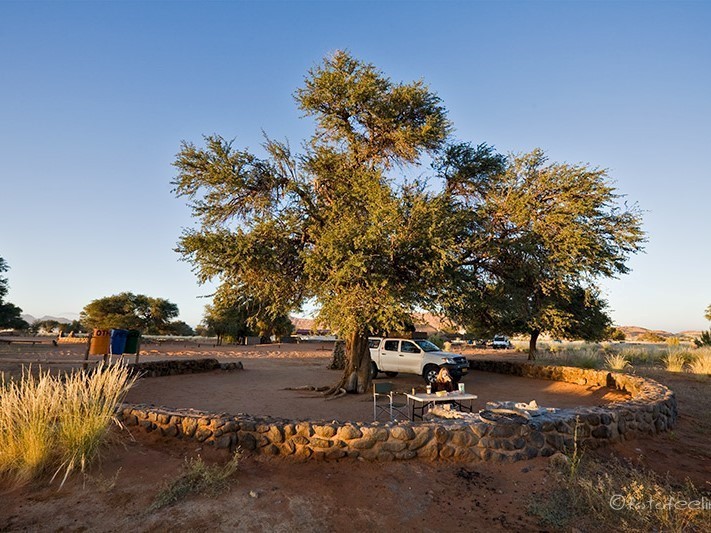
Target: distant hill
<point x="30" y="319"/>
<point x="634" y="332"/>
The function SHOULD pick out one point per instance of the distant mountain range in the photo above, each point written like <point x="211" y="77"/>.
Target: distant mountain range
<point x="634" y="332"/>
<point x="30" y="319"/>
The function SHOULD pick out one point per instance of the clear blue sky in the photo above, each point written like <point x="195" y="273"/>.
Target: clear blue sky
<point x="96" y="96"/>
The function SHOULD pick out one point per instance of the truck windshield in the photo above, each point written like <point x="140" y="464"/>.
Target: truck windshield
<point x="427" y="346"/>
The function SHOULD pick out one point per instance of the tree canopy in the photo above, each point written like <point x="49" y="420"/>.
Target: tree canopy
<point x="539" y="236"/>
<point x="131" y="311"/>
<point x="707" y="314"/>
<point x="329" y="224"/>
<point x="9" y="313"/>
<point x="227" y="317"/>
<point x="511" y="240"/>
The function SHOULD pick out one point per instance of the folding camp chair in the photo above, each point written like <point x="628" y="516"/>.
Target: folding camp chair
<point x="383" y="402"/>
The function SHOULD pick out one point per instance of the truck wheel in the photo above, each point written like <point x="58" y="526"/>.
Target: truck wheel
<point x="391" y="374"/>
<point x="373" y="370"/>
<point x="430" y="373"/>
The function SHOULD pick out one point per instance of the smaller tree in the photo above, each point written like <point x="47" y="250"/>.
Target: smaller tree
<point x="224" y="320"/>
<point x="540" y="236"/>
<point x="45" y="326"/>
<point x="705" y="338"/>
<point x="9" y="313"/>
<point x="650" y="336"/>
<point x="178" y="327"/>
<point x="75" y="326"/>
<point x="616" y="334"/>
<point x="229" y="316"/>
<point x="130" y="311"/>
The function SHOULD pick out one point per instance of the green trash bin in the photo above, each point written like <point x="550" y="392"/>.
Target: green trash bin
<point x="132" y="341"/>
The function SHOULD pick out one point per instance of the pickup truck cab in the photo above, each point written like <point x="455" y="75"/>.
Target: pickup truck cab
<point x="413" y="356"/>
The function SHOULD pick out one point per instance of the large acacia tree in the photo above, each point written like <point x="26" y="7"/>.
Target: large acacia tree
<point x="336" y="223"/>
<point x="540" y="237"/>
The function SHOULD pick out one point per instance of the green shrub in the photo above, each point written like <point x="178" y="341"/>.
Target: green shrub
<point x="704" y="340"/>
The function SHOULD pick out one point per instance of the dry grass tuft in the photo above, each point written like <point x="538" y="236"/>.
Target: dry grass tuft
<point x="57" y="422"/>
<point x="197" y="478"/>
<point x="617" y="362"/>
<point x="701" y="364"/>
<point x="674" y="361"/>
<point x="621" y="497"/>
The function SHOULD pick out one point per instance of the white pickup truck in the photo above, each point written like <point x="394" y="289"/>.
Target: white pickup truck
<point x="413" y="356"/>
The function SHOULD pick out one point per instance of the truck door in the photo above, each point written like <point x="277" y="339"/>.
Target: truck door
<point x="411" y="357"/>
<point x="389" y="357"/>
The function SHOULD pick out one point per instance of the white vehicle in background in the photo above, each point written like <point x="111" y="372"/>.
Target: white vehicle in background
<point x="501" y="342"/>
<point x="413" y="356"/>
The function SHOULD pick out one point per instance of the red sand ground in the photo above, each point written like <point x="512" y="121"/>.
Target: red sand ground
<point x="273" y="494"/>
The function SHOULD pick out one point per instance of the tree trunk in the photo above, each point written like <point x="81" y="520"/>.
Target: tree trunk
<point x="338" y="356"/>
<point x="356" y="375"/>
<point x="532" y="345"/>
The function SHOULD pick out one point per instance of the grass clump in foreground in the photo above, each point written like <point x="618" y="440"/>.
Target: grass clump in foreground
<point x="620" y="497"/>
<point x="702" y="362"/>
<point x="675" y="361"/>
<point x="57" y="422"/>
<point x="197" y="477"/>
<point x="617" y="362"/>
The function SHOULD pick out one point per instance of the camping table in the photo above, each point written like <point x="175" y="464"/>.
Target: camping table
<point x="422" y="401"/>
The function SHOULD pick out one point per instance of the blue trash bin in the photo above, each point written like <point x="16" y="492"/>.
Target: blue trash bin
<point x="118" y="341"/>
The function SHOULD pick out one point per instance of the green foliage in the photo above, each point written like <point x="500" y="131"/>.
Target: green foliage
<point x="617" y="334"/>
<point x="508" y="245"/>
<point x="130" y="311"/>
<point x="230" y="317"/>
<point x="54" y="327"/>
<point x="9" y="313"/>
<point x="178" y="327"/>
<point x="224" y="320"/>
<point x="336" y="223"/>
<point x="437" y="340"/>
<point x="704" y="339"/>
<point x="46" y="326"/>
<point x="650" y="336"/>
<point x="540" y="235"/>
<point x="707" y="314"/>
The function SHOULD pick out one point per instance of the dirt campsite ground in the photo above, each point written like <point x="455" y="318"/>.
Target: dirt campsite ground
<point x="275" y="494"/>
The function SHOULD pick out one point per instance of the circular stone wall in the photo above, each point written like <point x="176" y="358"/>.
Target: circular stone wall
<point x="650" y="409"/>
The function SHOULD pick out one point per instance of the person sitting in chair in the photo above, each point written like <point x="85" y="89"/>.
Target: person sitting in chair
<point x="443" y="381"/>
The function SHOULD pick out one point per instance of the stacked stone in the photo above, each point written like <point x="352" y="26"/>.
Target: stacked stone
<point x="651" y="409"/>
